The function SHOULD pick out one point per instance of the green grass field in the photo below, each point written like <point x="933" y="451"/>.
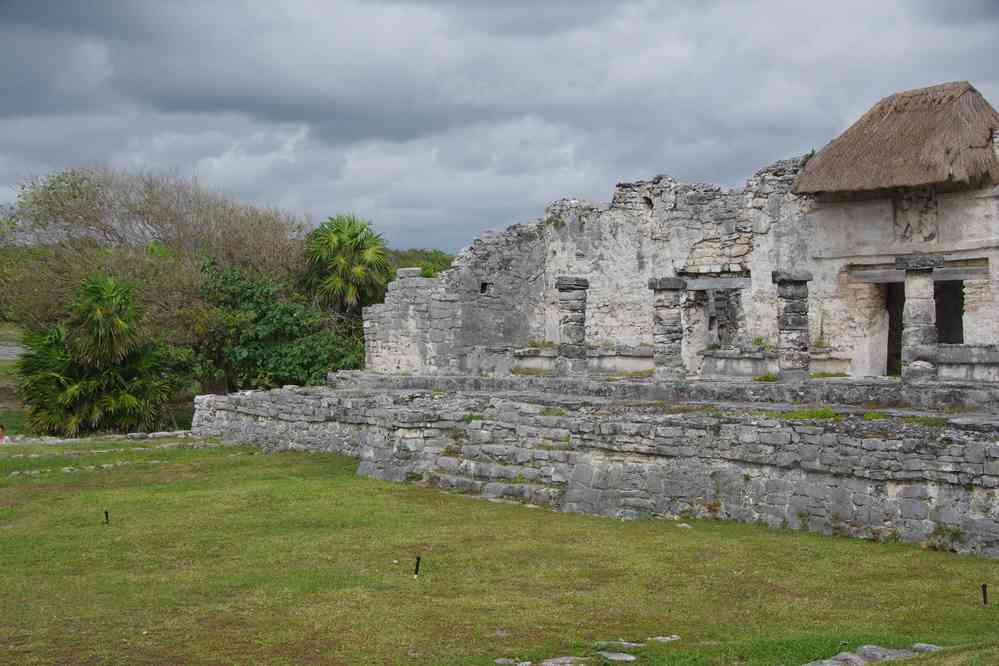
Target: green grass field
<point x="226" y="556"/>
<point x="12" y="413"/>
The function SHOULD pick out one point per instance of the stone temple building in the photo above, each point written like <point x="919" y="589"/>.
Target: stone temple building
<point x="888" y="235"/>
<point x="601" y="359"/>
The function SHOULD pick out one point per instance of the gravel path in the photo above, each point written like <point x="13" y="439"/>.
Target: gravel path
<point x="10" y="352"/>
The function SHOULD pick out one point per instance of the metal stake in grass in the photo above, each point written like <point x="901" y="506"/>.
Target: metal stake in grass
<point x="985" y="594"/>
<point x="107" y="518"/>
<point x="416" y="571"/>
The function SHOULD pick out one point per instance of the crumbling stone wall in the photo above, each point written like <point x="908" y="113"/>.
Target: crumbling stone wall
<point x="936" y="483"/>
<point x="501" y="292"/>
<point x="468" y="318"/>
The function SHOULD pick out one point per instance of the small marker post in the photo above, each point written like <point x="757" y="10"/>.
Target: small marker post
<point x="985" y="594"/>
<point x="416" y="571"/>
<point x="107" y="517"/>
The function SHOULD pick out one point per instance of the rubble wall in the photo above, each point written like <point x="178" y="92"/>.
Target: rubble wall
<point x="500" y="294"/>
<point x="934" y="481"/>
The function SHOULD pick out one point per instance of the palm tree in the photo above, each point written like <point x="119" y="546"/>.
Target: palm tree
<point x="348" y="263"/>
<point x="94" y="373"/>
<point x="104" y="321"/>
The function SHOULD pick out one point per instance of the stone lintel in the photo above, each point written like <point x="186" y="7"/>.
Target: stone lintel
<point x="570" y="283"/>
<point x="919" y="262"/>
<point x="708" y="283"/>
<point x="667" y="283"/>
<point x="791" y="276"/>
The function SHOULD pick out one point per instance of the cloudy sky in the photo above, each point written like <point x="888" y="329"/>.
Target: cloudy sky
<point x="440" y="119"/>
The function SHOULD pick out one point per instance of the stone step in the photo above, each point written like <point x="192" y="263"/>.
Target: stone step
<point x="546" y="474"/>
<point x="531" y="493"/>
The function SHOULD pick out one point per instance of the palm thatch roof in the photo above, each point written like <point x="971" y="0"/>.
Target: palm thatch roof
<point x="940" y="135"/>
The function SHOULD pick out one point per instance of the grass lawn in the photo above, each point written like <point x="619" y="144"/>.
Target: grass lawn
<point x="215" y="558"/>
<point x="12" y="413"/>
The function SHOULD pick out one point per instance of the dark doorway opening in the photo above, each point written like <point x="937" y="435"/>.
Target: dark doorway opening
<point x="895" y="301"/>
<point x="949" y="298"/>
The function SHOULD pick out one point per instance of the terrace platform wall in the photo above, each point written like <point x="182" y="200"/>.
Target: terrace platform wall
<point x="930" y="480"/>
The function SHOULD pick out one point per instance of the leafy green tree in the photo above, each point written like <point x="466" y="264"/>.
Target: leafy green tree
<point x="348" y="264"/>
<point x="93" y="373"/>
<point x="261" y="335"/>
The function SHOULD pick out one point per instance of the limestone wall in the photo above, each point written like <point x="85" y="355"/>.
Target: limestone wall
<point x="501" y="293"/>
<point x="869" y="233"/>
<point x="884" y="479"/>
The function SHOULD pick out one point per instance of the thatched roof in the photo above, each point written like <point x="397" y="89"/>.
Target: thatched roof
<point x="941" y="135"/>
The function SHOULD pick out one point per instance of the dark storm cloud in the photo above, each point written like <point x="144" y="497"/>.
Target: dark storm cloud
<point x="440" y="118"/>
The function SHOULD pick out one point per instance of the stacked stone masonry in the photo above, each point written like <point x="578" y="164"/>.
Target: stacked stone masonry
<point x="502" y="293"/>
<point x="924" y="481"/>
<point x="667" y="326"/>
<point x="572" y="323"/>
<point x="792" y="324"/>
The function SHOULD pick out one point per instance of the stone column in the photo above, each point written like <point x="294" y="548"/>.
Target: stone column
<point x="667" y="327"/>
<point x="919" y="316"/>
<point x="792" y="324"/>
<point x="572" y="324"/>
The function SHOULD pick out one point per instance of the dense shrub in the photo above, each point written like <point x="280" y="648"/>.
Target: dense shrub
<point x="94" y="372"/>
<point x="152" y="231"/>
<point x="258" y="333"/>
<point x="431" y="262"/>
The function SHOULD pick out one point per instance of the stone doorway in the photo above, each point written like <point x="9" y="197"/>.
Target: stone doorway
<point x="949" y="298"/>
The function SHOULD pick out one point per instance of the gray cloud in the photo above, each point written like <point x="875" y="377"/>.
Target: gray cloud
<point x="440" y="119"/>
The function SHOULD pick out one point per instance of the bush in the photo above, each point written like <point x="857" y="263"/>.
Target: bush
<point x="256" y="333"/>
<point x="152" y="231"/>
<point x="768" y="377"/>
<point x="94" y="373"/>
<point x="431" y="262"/>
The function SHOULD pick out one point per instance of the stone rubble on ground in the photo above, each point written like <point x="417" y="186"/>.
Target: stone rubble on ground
<point x="865" y="654"/>
<point x="926" y="647"/>
<point x="869" y="654"/>
<point x="619" y="644"/>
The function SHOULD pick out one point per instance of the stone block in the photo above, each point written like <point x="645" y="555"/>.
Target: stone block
<point x="792" y="320"/>
<point x="570" y="283"/>
<point x="919" y="262"/>
<point x="667" y="284"/>
<point x="791" y="276"/>
<point x="789" y="290"/>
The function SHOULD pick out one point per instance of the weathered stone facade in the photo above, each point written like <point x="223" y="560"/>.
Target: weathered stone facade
<point x="501" y="295"/>
<point x="677" y="288"/>
<point x="931" y="481"/>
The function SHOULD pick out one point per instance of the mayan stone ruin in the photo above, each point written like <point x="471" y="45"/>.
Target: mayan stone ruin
<point x="815" y="350"/>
